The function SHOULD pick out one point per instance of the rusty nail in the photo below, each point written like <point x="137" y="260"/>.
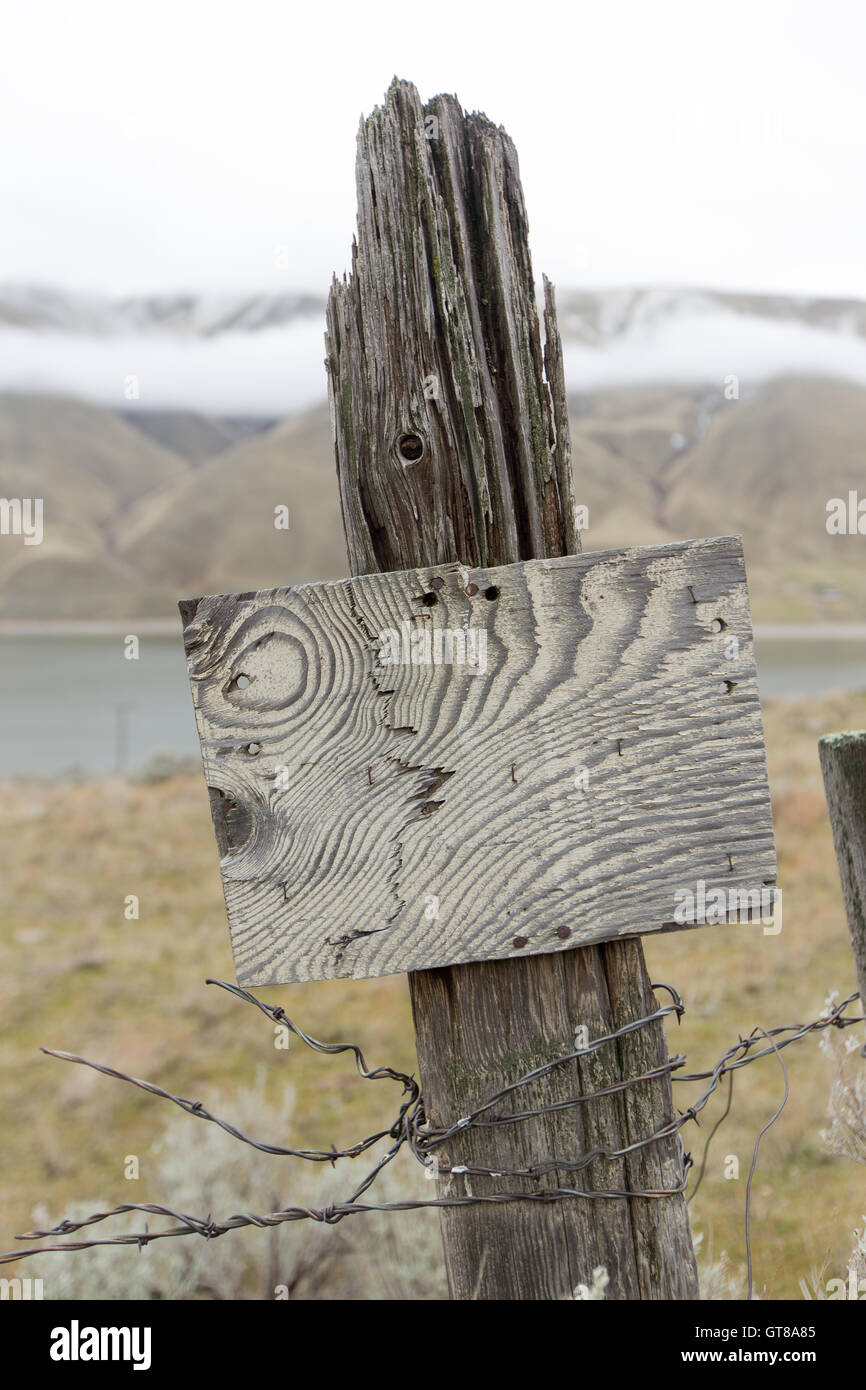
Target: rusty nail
<point x="438" y="582"/>
<point x="472" y="590"/>
<point x="520" y="942"/>
<point x="563" y="933"/>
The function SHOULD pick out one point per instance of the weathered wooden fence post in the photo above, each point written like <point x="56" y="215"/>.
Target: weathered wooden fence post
<point x="843" y="765"/>
<point x="452" y="443"/>
<point x="474" y="765"/>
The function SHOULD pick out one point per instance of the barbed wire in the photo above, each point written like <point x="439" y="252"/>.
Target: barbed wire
<point x="411" y="1130"/>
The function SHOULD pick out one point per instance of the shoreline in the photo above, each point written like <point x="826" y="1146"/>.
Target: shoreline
<point x="811" y="632"/>
<point x="170" y="627"/>
<point x="89" y="627"/>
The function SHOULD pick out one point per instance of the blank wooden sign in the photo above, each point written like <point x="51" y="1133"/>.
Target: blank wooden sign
<point x="413" y="770"/>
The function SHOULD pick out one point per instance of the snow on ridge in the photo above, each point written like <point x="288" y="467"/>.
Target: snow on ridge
<point x="601" y="316"/>
<point x="44" y="308"/>
<point x="714" y="346"/>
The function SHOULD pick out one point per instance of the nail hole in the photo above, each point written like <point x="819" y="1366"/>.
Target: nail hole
<point x="718" y="625"/>
<point x="411" y="447"/>
<point x="491" y="593"/>
<point x="728" y="687"/>
<point x="429" y="599"/>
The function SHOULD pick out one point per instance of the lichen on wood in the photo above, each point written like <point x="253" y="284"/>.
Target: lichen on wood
<point x="436" y="334"/>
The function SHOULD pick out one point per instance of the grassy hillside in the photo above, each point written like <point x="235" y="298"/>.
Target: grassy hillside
<point x="193" y="436"/>
<point x="770" y="466"/>
<point x="691" y="463"/>
<point x="213" y="530"/>
<point x="131" y="526"/>
<point x="90" y="467"/>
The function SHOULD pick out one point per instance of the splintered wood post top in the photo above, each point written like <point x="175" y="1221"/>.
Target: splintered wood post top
<point x="444" y="765"/>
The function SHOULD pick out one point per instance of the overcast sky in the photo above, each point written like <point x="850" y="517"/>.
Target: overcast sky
<point x="175" y="144"/>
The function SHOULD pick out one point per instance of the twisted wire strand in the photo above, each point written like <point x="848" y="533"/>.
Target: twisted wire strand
<point x="411" y="1130"/>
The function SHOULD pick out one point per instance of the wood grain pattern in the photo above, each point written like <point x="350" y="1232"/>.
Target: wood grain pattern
<point x="439" y="188"/>
<point x="391" y="812"/>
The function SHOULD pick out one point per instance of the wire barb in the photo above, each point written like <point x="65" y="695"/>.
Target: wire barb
<point x="411" y="1130"/>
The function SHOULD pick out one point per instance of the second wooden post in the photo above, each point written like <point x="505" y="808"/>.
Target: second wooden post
<point x="843" y="765"/>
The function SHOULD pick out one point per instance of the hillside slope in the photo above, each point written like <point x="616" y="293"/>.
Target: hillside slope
<point x="130" y="526"/>
<point x="89" y="467"/>
<point x="213" y="530"/>
<point x="763" y="467"/>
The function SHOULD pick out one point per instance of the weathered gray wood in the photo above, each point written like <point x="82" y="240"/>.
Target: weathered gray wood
<point x="483" y="494"/>
<point x="433" y="768"/>
<point x="481" y="1026"/>
<point x="436" y="338"/>
<point x="843" y="764"/>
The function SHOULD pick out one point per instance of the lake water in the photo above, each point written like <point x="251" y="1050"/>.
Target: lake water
<point x="76" y="702"/>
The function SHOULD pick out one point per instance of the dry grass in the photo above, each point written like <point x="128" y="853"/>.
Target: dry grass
<point x="74" y="974"/>
<point x="806" y="1203"/>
